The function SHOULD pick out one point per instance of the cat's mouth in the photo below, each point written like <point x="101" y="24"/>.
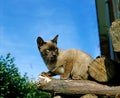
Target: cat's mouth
<point x="51" y="59"/>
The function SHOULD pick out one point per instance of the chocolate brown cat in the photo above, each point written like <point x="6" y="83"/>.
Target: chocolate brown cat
<point x="70" y="63"/>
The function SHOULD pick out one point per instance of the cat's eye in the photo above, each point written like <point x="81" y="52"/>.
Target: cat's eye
<point x="47" y="50"/>
<point x="56" y="49"/>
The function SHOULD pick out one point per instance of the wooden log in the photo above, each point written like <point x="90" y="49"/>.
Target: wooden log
<point x="89" y="96"/>
<point x="102" y="69"/>
<point x="115" y="36"/>
<point x="76" y="87"/>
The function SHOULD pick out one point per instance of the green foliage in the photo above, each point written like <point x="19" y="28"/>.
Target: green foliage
<point x="34" y="92"/>
<point x="13" y="85"/>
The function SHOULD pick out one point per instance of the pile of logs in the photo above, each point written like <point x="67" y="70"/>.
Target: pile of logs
<point x="104" y="81"/>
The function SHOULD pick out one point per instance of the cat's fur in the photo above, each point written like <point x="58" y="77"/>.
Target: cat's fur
<point x="70" y="63"/>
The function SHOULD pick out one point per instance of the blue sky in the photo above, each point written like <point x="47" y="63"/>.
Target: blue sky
<point x="22" y="21"/>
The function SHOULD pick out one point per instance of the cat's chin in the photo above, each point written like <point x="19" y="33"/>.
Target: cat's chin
<point x="51" y="60"/>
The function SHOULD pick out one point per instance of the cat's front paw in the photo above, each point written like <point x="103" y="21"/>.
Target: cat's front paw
<point x="77" y="77"/>
<point x="45" y="74"/>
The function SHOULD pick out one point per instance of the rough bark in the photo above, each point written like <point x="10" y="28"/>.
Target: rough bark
<point x="76" y="87"/>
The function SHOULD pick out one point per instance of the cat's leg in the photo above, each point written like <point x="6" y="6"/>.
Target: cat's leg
<point x="65" y="76"/>
<point x="76" y="77"/>
<point x="80" y="71"/>
<point x="68" y="67"/>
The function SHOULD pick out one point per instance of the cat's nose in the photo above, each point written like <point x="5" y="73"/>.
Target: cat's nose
<point x="54" y="54"/>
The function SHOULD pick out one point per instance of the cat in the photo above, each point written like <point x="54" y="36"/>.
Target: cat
<point x="68" y="64"/>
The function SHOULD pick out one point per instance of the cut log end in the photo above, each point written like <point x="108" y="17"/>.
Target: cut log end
<point x="102" y="69"/>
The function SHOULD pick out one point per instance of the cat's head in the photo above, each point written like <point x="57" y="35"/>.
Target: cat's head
<point x="48" y="49"/>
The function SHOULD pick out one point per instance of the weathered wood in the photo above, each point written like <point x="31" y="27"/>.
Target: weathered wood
<point x="75" y="87"/>
<point x="115" y="35"/>
<point x="89" y="96"/>
<point x="118" y="95"/>
<point x="102" y="69"/>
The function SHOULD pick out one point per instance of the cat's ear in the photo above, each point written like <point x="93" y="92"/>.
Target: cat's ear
<point x="55" y="39"/>
<point x="40" y="42"/>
